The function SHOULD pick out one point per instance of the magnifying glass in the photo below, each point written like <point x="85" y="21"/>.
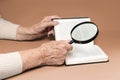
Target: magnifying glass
<point x="84" y="32"/>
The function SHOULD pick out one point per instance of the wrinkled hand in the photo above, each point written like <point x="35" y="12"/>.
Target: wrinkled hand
<point x="51" y="53"/>
<point x="55" y="52"/>
<point x="37" y="30"/>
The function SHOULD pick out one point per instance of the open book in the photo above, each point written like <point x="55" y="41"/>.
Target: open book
<point x="81" y="53"/>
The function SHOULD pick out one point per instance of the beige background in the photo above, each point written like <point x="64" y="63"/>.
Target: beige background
<point x="103" y="12"/>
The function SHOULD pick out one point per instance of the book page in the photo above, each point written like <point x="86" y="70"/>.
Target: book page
<point x="85" y="54"/>
<point x="86" y="51"/>
<point x="63" y="29"/>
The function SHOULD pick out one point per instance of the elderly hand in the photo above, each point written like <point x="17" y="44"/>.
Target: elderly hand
<point x="54" y="52"/>
<point x="37" y="30"/>
<point x="51" y="53"/>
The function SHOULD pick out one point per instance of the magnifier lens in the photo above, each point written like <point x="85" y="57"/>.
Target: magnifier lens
<point x="84" y="32"/>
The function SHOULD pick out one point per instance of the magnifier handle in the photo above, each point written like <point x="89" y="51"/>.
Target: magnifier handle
<point x="71" y="42"/>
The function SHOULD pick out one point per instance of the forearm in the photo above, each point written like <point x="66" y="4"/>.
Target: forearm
<point x="31" y="58"/>
<point x="9" y="30"/>
<point x="16" y="62"/>
<point x="51" y="53"/>
<point x="26" y="33"/>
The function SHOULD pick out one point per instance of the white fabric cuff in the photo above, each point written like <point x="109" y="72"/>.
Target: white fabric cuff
<point x="10" y="64"/>
<point x="7" y="29"/>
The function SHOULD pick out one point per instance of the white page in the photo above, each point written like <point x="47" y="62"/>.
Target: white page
<point x="86" y="54"/>
<point x="63" y="29"/>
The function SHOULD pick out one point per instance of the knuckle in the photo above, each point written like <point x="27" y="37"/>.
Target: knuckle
<point x="70" y="47"/>
<point x="56" y="16"/>
<point x="45" y="17"/>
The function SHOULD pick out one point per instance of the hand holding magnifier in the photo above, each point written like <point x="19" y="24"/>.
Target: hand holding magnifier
<point x="84" y="32"/>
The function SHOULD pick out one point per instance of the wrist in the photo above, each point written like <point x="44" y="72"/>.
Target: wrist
<point x="27" y="33"/>
<point x="20" y="33"/>
<point x="31" y="58"/>
<point x="24" y="33"/>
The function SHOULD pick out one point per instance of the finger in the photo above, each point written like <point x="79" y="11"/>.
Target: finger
<point x="50" y="24"/>
<point x="51" y="32"/>
<point x="49" y="18"/>
<point x="52" y="17"/>
<point x="67" y="45"/>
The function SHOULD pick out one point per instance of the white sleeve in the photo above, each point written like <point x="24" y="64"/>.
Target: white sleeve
<point x="7" y="29"/>
<point x="10" y="64"/>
